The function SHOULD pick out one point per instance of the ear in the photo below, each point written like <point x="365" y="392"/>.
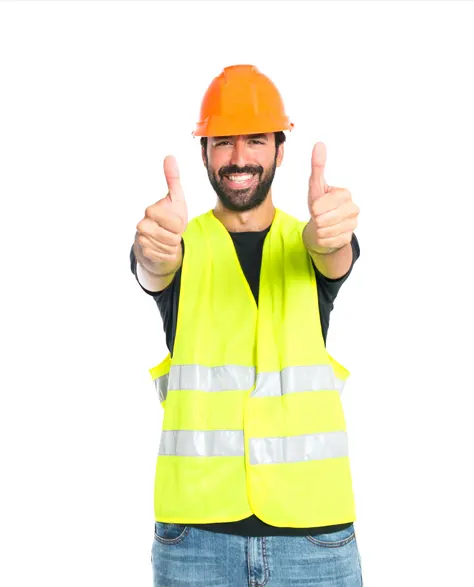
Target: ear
<point x="281" y="150"/>
<point x="203" y="154"/>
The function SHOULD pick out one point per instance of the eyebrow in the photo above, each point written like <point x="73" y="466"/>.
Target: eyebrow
<point x="253" y="136"/>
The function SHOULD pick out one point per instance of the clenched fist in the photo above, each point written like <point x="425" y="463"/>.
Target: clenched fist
<point x="159" y="232"/>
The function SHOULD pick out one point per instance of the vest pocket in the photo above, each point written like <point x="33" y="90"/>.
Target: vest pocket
<point x="333" y="539"/>
<point x="168" y="533"/>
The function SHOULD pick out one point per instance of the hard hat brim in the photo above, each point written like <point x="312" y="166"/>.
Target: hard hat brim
<point x="216" y="126"/>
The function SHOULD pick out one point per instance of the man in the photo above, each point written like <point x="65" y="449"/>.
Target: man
<point x="253" y="484"/>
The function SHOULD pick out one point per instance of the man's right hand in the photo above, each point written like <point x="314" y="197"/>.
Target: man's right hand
<point x="158" y="239"/>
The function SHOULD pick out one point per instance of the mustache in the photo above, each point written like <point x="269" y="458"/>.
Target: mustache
<point x="233" y="169"/>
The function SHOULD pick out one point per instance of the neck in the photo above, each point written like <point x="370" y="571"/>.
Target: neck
<point x="250" y="221"/>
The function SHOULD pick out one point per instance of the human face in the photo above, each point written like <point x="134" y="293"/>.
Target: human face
<point x="241" y="168"/>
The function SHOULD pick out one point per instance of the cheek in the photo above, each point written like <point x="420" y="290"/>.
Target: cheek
<point x="268" y="168"/>
<point x="215" y="167"/>
<point x="218" y="159"/>
<point x="212" y="168"/>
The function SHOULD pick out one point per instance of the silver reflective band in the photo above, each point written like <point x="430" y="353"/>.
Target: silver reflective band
<point x="292" y="449"/>
<point x="239" y="378"/>
<point x="161" y="386"/>
<point x="295" y="379"/>
<point x="202" y="443"/>
<point x="201" y="378"/>
<point x="263" y="451"/>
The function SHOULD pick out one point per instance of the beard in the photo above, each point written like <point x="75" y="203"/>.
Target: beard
<point x="241" y="200"/>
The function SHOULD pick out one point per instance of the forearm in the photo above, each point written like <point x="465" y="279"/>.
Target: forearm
<point x="332" y="263"/>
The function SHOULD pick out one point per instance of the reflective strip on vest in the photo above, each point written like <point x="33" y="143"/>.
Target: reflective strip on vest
<point x="161" y="386"/>
<point x="292" y="449"/>
<point x="295" y="379"/>
<point x="237" y="377"/>
<point x="202" y="443"/>
<point x="263" y="451"/>
<point x="201" y="378"/>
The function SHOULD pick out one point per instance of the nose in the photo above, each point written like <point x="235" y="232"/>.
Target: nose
<point x="239" y="153"/>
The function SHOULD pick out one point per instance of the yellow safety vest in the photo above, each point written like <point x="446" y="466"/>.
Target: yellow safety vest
<point x="253" y="420"/>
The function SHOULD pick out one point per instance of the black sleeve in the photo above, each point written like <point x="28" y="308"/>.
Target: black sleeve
<point x="329" y="288"/>
<point x="167" y="300"/>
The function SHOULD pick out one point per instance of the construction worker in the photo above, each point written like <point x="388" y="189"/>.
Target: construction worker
<point x="253" y="484"/>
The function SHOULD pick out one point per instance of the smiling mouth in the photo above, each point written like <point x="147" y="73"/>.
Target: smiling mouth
<point x="240" y="180"/>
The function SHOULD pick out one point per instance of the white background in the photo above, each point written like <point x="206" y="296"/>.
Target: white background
<point x="93" y="96"/>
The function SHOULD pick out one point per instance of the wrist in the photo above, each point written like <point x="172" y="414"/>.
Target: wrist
<point x="325" y="250"/>
<point x="165" y="274"/>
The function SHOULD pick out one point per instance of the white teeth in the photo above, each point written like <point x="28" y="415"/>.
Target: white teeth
<point x="239" y="178"/>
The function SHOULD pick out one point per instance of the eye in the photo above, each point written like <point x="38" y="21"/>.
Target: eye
<point x="256" y="141"/>
<point x="222" y="143"/>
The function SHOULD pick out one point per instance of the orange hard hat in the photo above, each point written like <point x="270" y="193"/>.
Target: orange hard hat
<point x="241" y="101"/>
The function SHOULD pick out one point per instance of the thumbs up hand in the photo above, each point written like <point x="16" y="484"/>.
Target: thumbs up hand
<point x="159" y="232"/>
<point x="333" y="213"/>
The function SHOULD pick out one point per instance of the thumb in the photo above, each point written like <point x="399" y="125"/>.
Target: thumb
<point x="318" y="162"/>
<point x="171" y="170"/>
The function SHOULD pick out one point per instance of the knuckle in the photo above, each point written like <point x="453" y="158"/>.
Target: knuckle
<point x="319" y="242"/>
<point x="148" y="252"/>
<point x="150" y="211"/>
<point x="162" y="247"/>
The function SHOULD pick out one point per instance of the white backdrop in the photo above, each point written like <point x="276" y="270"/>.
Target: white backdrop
<point x="93" y="96"/>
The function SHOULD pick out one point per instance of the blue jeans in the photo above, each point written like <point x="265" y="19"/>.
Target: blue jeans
<point x="182" y="555"/>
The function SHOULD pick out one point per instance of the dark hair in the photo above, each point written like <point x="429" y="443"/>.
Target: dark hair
<point x="279" y="139"/>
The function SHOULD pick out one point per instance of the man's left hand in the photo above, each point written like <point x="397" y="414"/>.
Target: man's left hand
<point x="333" y="213"/>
